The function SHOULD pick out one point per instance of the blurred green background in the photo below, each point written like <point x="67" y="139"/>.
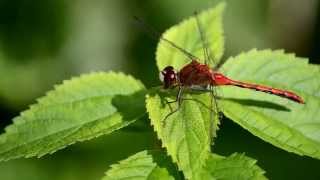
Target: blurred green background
<point x="44" y="42"/>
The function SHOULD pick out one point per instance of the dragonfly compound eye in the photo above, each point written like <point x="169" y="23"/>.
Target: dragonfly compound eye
<point x="168" y="77"/>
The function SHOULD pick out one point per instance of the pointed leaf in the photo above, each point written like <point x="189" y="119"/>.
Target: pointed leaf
<point x="145" y="165"/>
<point x="187" y="36"/>
<point x="291" y="126"/>
<point x="186" y="133"/>
<point x="235" y="166"/>
<point x="81" y="108"/>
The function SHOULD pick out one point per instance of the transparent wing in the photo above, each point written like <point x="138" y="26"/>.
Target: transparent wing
<point x="209" y="60"/>
<point x="214" y="115"/>
<point x="153" y="33"/>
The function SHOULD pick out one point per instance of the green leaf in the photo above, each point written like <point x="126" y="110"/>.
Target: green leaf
<point x="288" y="125"/>
<point x="80" y="109"/>
<point x="186" y="133"/>
<point x="143" y="165"/>
<point x="236" y="166"/>
<point x="187" y="36"/>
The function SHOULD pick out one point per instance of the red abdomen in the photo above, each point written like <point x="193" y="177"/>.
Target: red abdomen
<point x="219" y="79"/>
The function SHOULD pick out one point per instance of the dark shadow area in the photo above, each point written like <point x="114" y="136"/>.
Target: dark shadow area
<point x="130" y="106"/>
<point x="7" y="115"/>
<point x="258" y="103"/>
<point x="164" y="94"/>
<point x="314" y="52"/>
<point x="164" y="161"/>
<point x="141" y="125"/>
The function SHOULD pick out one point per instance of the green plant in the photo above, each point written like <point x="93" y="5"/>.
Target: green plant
<point x="99" y="103"/>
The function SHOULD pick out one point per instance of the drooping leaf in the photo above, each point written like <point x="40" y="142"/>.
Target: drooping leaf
<point x="186" y="35"/>
<point x="288" y="125"/>
<point x="80" y="109"/>
<point x="145" y="165"/>
<point x="186" y="133"/>
<point x="235" y="166"/>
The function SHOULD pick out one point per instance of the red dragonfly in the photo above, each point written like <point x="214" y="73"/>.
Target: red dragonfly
<point x="196" y="74"/>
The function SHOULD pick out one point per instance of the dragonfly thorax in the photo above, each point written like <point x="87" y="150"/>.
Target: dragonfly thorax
<point x="168" y="77"/>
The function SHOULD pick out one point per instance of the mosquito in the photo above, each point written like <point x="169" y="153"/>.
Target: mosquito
<point x="195" y="74"/>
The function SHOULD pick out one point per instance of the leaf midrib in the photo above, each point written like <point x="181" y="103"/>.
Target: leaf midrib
<point x="77" y="127"/>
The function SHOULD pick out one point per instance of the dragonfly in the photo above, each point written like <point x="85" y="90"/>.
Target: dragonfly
<point x="199" y="76"/>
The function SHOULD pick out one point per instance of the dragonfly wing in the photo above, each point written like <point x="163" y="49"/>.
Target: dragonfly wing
<point x="209" y="58"/>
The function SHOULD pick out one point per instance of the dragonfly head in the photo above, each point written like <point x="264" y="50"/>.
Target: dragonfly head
<point x="168" y="77"/>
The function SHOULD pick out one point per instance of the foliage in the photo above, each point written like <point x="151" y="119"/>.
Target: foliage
<point x="99" y="103"/>
<point x="288" y="125"/>
<point x="77" y="110"/>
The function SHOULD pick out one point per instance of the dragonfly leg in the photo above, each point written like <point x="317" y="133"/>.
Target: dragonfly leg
<point x="169" y="104"/>
<point x="179" y="100"/>
<point x="177" y="96"/>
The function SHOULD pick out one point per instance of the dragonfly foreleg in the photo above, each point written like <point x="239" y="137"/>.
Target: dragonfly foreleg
<point x="179" y="100"/>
